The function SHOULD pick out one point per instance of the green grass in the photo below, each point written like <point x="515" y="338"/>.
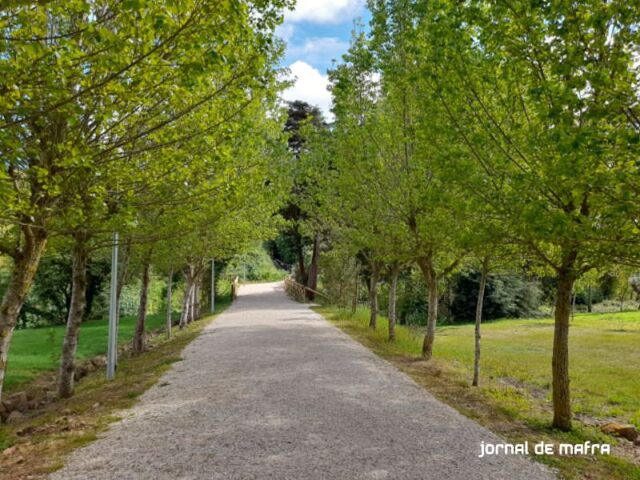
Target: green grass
<point x="514" y="394"/>
<point x="42" y="440"/>
<point x="37" y="350"/>
<point x="604" y="357"/>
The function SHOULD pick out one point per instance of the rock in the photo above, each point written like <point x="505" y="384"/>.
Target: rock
<point x="9" y="451"/>
<point x="19" y="397"/>
<point x="621" y="430"/>
<point x="14" y="417"/>
<point x="2" y="408"/>
<point x="99" y="362"/>
<point x="17" y="401"/>
<point x="33" y="404"/>
<point x="636" y="442"/>
<point x="80" y="373"/>
<point x="28" y="430"/>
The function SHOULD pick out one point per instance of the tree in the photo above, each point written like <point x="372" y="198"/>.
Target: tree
<point x="544" y="98"/>
<point x="422" y="153"/>
<point x="303" y="120"/>
<point x="88" y="87"/>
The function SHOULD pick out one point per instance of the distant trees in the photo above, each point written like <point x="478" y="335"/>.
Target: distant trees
<point x="302" y="235"/>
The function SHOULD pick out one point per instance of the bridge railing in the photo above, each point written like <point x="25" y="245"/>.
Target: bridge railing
<point x="300" y="292"/>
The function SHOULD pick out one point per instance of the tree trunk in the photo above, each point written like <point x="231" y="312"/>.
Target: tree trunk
<point x="139" y="338"/>
<point x="24" y="269"/>
<point x="431" y="279"/>
<point x="479" y="305"/>
<point x="449" y="314"/>
<point x="74" y="320"/>
<point x="186" y="300"/>
<point x="312" y="280"/>
<point x="354" y="302"/>
<point x="589" y="300"/>
<point x="169" y="308"/>
<point x="185" y="305"/>
<point x="373" y="298"/>
<point x="560" y="361"/>
<point x="196" y="300"/>
<point x="302" y="271"/>
<point x="192" y="303"/>
<point x="393" y="289"/>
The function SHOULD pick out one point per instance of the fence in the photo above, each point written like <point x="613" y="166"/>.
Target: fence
<point x="298" y="291"/>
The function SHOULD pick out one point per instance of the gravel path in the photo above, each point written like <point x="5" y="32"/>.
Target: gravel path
<point x="273" y="391"/>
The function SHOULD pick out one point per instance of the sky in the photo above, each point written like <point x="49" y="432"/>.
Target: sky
<point x="317" y="32"/>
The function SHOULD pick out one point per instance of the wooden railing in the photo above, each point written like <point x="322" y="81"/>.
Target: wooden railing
<point x="298" y="291"/>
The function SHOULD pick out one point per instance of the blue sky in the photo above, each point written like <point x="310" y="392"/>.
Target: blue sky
<point x="317" y="32"/>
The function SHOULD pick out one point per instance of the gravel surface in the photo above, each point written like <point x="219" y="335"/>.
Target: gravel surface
<point x="273" y="391"/>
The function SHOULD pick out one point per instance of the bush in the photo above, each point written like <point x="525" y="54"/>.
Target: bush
<point x="253" y="266"/>
<point x="338" y="270"/>
<point x="412" y="299"/>
<point x="506" y="296"/>
<point x="48" y="300"/>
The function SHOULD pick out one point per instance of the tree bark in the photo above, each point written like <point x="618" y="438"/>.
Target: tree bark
<point x="139" y="338"/>
<point x="186" y="300"/>
<point x="184" y="314"/>
<point x="431" y="279"/>
<point x="373" y="298"/>
<point x="169" y="308"/>
<point x="354" y="302"/>
<point x="302" y="271"/>
<point x="74" y="320"/>
<point x="192" y="302"/>
<point x="24" y="269"/>
<point x="393" y="290"/>
<point x="312" y="280"/>
<point x="560" y="361"/>
<point x="479" y="305"/>
<point x="197" y="296"/>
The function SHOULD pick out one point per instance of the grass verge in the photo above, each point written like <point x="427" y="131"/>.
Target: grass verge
<point x="38" y="445"/>
<point x="37" y="350"/>
<point x="516" y="409"/>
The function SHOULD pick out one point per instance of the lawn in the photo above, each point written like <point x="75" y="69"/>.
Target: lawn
<point x="37" y="350"/>
<point x="43" y="439"/>
<point x="513" y="399"/>
<point x="604" y="357"/>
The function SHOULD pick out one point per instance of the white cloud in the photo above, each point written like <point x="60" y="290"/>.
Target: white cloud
<point x="319" y="50"/>
<point x="285" y="31"/>
<point x="320" y="45"/>
<point x="324" y="11"/>
<point x="310" y="86"/>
